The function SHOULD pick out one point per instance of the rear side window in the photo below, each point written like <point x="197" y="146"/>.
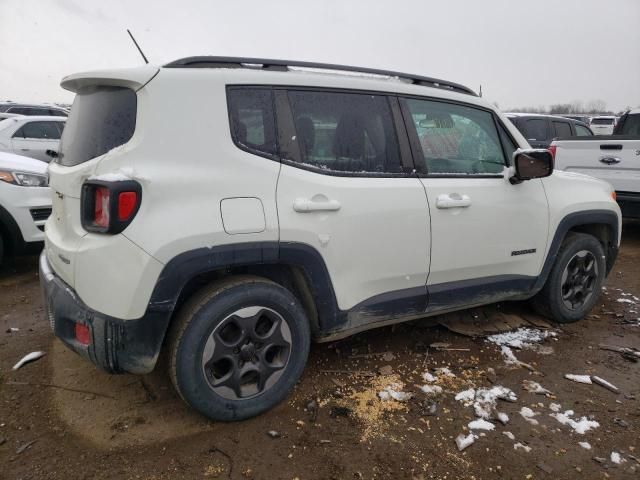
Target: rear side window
<point x="101" y="119"/>
<point x="631" y="125"/>
<point x="583" y="131"/>
<point x="535" y="129"/>
<point x="345" y="132"/>
<point x="252" y="120"/>
<point x="40" y="130"/>
<point x="563" y="129"/>
<point x="455" y="139"/>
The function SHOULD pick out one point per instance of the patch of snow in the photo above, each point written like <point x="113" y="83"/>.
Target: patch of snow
<point x="578" y="378"/>
<point x="502" y="417"/>
<point x="528" y="415"/>
<point x="431" y="389"/>
<point x="625" y="300"/>
<point x="580" y="426"/>
<point x="427" y="377"/>
<point x="509" y="435"/>
<point x="585" y="445"/>
<point x="111" y="177"/>
<point x="555" y="407"/>
<point x="394" y="392"/>
<point x="520" y="338"/>
<point x="534" y="387"/>
<point x="466" y="395"/>
<point x="509" y="357"/>
<point x="617" y="458"/>
<point x="481" y="424"/>
<point x="463" y="441"/>
<point x="521" y="446"/>
<point x="486" y="399"/>
<point x="445" y="372"/>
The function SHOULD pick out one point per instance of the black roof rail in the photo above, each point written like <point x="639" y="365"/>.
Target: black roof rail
<point x="282" y="65"/>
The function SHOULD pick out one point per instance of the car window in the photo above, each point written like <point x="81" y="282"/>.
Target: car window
<point x="583" y="131"/>
<point x="631" y="125"/>
<point x="455" y="139"/>
<point x="252" y="119"/>
<point x="602" y="121"/>
<point x="535" y="129"/>
<point x="508" y="144"/>
<point x="57" y="113"/>
<point x="29" y="111"/>
<point x="345" y="132"/>
<point x="563" y="129"/>
<point x="41" y="130"/>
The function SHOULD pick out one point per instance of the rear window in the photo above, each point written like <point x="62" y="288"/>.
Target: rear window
<point x="535" y="129"/>
<point x="101" y="118"/>
<point x="563" y="129"/>
<point x="602" y="121"/>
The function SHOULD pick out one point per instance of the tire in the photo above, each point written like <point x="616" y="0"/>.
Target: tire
<point x="581" y="284"/>
<point x="228" y="353"/>
<point x="1" y="249"/>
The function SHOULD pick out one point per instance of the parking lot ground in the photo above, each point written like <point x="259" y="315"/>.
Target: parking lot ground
<point x="60" y="418"/>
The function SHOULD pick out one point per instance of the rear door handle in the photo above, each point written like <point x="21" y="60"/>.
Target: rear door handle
<point x="453" y="200"/>
<point x="610" y="160"/>
<point x="305" y="205"/>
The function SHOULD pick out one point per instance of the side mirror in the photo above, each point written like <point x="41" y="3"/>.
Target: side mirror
<point x="530" y="164"/>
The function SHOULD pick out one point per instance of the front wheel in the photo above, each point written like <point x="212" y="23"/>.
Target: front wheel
<point x="575" y="280"/>
<point x="238" y="347"/>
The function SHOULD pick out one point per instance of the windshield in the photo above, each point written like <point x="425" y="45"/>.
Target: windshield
<point x="101" y="118"/>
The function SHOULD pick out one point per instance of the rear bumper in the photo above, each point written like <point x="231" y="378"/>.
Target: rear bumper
<point x="116" y="345"/>
<point x="629" y="204"/>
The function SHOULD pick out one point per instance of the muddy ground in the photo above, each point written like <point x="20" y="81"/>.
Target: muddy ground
<point x="60" y="418"/>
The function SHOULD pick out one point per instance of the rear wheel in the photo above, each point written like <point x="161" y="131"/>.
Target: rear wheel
<point x="575" y="281"/>
<point x="1" y="248"/>
<point x="238" y="348"/>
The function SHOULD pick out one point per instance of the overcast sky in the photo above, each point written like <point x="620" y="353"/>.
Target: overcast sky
<point x="524" y="53"/>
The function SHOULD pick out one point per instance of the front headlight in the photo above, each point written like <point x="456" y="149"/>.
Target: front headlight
<point x="24" y="179"/>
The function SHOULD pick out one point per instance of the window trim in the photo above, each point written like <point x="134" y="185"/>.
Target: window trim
<point x="270" y="156"/>
<point x="287" y="125"/>
<point x="416" y="148"/>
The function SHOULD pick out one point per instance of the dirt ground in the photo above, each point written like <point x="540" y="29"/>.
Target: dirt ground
<point x="60" y="418"/>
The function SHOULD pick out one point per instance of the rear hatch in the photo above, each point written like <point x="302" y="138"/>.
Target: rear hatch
<point x="103" y="117"/>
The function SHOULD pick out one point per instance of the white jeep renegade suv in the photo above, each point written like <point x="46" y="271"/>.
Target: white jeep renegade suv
<point x="227" y="211"/>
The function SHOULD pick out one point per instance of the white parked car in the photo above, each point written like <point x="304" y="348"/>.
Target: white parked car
<point x="31" y="136"/>
<point x="603" y="125"/>
<point x="297" y="205"/>
<point x="25" y="204"/>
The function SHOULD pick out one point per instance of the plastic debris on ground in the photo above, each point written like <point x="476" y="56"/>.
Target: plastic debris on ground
<point x="586" y="379"/>
<point x="580" y="426"/>
<point x="31" y="357"/>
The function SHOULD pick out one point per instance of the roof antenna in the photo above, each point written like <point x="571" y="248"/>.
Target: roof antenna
<point x="480" y="84"/>
<point x="137" y="46"/>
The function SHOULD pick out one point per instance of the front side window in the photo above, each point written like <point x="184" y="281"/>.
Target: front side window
<point x="345" y="132"/>
<point x="583" y="131"/>
<point x="39" y="130"/>
<point x="252" y="119"/>
<point x="455" y="139"/>
<point x="563" y="129"/>
<point x="535" y="129"/>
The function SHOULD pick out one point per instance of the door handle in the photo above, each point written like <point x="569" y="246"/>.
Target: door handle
<point x="610" y="160"/>
<point x="305" y="205"/>
<point x="25" y="149"/>
<point x="453" y="200"/>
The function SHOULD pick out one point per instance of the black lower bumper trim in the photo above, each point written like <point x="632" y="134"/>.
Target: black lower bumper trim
<point x="116" y="346"/>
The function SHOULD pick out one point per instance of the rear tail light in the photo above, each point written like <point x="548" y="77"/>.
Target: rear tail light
<point x="552" y="149"/>
<point x="82" y="334"/>
<point x="109" y="207"/>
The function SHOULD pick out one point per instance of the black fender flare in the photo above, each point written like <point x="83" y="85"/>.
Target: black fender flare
<point x="577" y="219"/>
